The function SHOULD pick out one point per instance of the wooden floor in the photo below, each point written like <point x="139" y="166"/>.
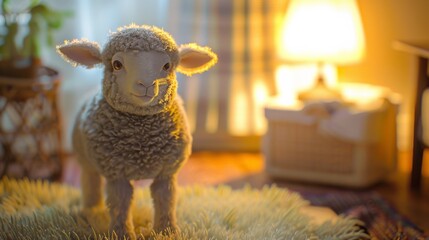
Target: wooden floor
<point x="239" y="169"/>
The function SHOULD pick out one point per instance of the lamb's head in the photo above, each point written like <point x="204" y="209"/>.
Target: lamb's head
<point x="139" y="66"/>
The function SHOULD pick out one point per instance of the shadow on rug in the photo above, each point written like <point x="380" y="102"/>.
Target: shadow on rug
<point x="42" y="210"/>
<point x="381" y="220"/>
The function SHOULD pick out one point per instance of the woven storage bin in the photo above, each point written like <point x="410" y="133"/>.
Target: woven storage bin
<point x="301" y="152"/>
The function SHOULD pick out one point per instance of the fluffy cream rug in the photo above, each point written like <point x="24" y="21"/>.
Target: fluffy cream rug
<point x="42" y="210"/>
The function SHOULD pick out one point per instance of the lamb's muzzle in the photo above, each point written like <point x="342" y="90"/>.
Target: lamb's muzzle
<point x="149" y="93"/>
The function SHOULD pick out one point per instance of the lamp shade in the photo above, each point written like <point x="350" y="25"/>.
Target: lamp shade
<point x="327" y="31"/>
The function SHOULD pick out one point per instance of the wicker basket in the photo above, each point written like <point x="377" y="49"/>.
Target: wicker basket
<point x="301" y="152"/>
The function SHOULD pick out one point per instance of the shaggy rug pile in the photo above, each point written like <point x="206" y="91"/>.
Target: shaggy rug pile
<point x="42" y="210"/>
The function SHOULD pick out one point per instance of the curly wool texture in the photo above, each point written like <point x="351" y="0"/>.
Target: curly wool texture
<point x="142" y="38"/>
<point x="123" y="145"/>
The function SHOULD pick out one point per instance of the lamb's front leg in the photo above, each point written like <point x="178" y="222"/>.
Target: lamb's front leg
<point x="92" y="195"/>
<point x="163" y="190"/>
<point x="119" y="197"/>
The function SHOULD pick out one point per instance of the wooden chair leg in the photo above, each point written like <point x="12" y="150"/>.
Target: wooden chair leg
<point x="418" y="146"/>
<point x="416" y="171"/>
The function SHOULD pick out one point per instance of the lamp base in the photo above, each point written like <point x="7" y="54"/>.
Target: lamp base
<point x="320" y="92"/>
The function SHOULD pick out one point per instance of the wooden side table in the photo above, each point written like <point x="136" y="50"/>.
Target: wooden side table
<point x="30" y="127"/>
<point x="421" y="50"/>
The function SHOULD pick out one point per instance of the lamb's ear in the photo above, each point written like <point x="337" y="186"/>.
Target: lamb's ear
<point x="195" y="59"/>
<point x="80" y="52"/>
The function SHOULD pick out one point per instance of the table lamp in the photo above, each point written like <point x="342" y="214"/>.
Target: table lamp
<point x="322" y="32"/>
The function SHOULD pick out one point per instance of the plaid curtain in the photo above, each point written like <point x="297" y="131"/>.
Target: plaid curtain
<point x="228" y="99"/>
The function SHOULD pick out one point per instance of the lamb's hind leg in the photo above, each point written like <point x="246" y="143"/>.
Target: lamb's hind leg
<point x="119" y="197"/>
<point x="163" y="190"/>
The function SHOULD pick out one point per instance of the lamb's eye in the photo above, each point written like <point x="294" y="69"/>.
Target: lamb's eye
<point x="117" y="65"/>
<point x="166" y="67"/>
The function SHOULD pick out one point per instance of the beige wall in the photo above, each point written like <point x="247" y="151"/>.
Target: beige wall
<point x="384" y="22"/>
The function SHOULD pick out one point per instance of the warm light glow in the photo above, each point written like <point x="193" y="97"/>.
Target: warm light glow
<point x="322" y="31"/>
<point x="239" y="114"/>
<point x="247" y="112"/>
<point x="260" y="94"/>
<point x="360" y="95"/>
<point x="212" y="118"/>
<point x="191" y="103"/>
<point x="291" y="79"/>
<point x="363" y="94"/>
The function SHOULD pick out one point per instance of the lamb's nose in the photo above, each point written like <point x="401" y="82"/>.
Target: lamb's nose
<point x="144" y="84"/>
<point x="152" y="88"/>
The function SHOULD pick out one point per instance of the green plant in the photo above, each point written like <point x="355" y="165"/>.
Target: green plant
<point x="37" y="20"/>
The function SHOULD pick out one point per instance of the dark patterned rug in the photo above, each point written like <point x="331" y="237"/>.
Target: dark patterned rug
<point x="381" y="219"/>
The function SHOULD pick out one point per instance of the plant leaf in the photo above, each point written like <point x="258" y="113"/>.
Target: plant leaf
<point x="40" y="29"/>
<point x="34" y="3"/>
<point x="5" y="6"/>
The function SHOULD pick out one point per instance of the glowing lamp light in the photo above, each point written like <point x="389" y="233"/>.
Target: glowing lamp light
<point x="322" y="32"/>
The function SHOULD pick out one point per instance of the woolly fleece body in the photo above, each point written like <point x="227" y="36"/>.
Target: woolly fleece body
<point x="124" y="145"/>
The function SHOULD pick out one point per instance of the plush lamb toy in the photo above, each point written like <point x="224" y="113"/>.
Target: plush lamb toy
<point x="136" y="128"/>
